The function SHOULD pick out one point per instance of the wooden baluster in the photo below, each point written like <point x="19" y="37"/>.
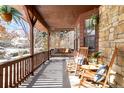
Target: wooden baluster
<point x="38" y="59"/>
<point x="28" y="66"/>
<point x="6" y="77"/>
<point x="35" y="63"/>
<point x="41" y="58"/>
<point x="10" y="83"/>
<point x="20" y="68"/>
<point x="31" y="65"/>
<point x="14" y="78"/>
<point x="17" y="72"/>
<point x="25" y="68"/>
<point x="1" y="77"/>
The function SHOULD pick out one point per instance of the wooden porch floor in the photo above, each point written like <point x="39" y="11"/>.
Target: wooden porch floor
<point x="53" y="74"/>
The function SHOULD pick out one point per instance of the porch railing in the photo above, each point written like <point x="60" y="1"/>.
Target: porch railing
<point x="13" y="73"/>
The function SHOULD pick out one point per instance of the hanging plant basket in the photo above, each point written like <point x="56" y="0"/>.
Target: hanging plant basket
<point x="8" y="13"/>
<point x="92" y="22"/>
<point x="6" y="17"/>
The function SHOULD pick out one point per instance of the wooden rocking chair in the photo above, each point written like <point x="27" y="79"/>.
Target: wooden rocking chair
<point x="82" y="51"/>
<point x="89" y="75"/>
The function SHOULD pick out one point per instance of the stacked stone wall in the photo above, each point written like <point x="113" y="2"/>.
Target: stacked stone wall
<point x="111" y="33"/>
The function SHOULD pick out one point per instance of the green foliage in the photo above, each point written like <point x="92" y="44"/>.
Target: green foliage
<point x="92" y="22"/>
<point x="94" y="19"/>
<point x="96" y="54"/>
<point x="5" y="9"/>
<point x="14" y="54"/>
<point x="44" y="34"/>
<point x="25" y="52"/>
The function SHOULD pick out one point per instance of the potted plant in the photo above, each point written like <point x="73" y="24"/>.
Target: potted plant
<point x="95" y="56"/>
<point x="8" y="13"/>
<point x="92" y="22"/>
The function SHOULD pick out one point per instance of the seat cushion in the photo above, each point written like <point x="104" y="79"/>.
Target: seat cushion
<point x="99" y="76"/>
<point x="80" y="60"/>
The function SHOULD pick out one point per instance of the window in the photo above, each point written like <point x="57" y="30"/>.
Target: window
<point x="90" y="35"/>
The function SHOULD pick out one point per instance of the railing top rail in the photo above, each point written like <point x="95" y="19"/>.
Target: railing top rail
<point x="15" y="60"/>
<point x="40" y="52"/>
<point x="18" y="59"/>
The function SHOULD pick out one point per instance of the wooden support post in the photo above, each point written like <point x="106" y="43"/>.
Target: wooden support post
<point x="32" y="47"/>
<point x="32" y="16"/>
<point x="32" y="20"/>
<point x="1" y="77"/>
<point x="48" y="45"/>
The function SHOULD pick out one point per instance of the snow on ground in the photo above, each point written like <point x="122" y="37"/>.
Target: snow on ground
<point x="12" y="50"/>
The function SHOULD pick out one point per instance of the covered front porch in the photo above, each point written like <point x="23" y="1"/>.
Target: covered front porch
<point x="66" y="29"/>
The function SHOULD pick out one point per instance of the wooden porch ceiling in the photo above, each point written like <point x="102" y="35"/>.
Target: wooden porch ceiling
<point x="57" y="17"/>
<point x="62" y="16"/>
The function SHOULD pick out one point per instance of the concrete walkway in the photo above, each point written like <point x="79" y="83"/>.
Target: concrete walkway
<point x="52" y="74"/>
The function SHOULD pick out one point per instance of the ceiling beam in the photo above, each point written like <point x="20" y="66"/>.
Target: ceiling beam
<point x="37" y="15"/>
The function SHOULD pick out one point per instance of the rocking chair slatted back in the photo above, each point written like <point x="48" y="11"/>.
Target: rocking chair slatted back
<point x="84" y="51"/>
<point x="110" y="66"/>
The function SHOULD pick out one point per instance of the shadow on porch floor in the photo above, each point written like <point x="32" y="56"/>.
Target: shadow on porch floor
<point x="53" y="74"/>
